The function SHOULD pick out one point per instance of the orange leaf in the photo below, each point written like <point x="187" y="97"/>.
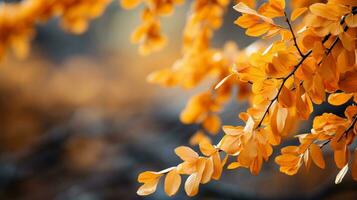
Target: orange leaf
<point x="324" y="10"/>
<point x="208" y="171"/>
<point x="297" y="12"/>
<point x="351" y="20"/>
<point x="341" y="174"/>
<point x="186" y="153"/>
<point x="172" y="182"/>
<point x="234" y="165"/>
<point x="316" y="156"/>
<point x="258" y="29"/>
<point x="207" y="148"/>
<point x="337" y="99"/>
<point x="241" y="7"/>
<point x="347" y="41"/>
<point x="148" y="188"/>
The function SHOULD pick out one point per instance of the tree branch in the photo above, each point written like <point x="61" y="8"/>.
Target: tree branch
<point x="293" y="34"/>
<point x="282" y="85"/>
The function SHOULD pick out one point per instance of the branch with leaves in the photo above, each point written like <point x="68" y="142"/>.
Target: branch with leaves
<point x="310" y="56"/>
<point x="287" y="80"/>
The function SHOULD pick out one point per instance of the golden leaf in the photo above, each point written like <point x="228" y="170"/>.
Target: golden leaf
<point x="316" y="156"/>
<point x="148" y="188"/>
<point x="172" y="182"/>
<point x="212" y="124"/>
<point x="297" y="13"/>
<point x="351" y="20"/>
<point x="186" y="153"/>
<point x="347" y="41"/>
<point x="337" y="99"/>
<point x="341" y="174"/>
<point x="207" y="148"/>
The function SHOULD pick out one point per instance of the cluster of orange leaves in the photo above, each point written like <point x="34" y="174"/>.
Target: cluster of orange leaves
<point x="306" y="61"/>
<point x="311" y="55"/>
<point x="18" y="20"/>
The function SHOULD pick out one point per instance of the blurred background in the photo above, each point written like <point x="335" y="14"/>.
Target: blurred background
<point x="79" y="121"/>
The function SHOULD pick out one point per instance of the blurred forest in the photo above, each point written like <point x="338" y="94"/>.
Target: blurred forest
<point x="79" y="121"/>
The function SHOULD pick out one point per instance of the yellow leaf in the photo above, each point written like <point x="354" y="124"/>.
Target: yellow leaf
<point x="345" y="2"/>
<point x="217" y="165"/>
<point x="186" y="153"/>
<point x="286" y="159"/>
<point x="129" y="4"/>
<point x="207" y="148"/>
<point x="278" y="119"/>
<point x="246" y="21"/>
<point x="208" y="171"/>
<point x="350" y="112"/>
<point x="172" y="182"/>
<point x="316" y="156"/>
<point x="281" y="117"/>
<point x="234" y="165"/>
<point x="340" y="156"/>
<point x="351" y="20"/>
<point x="337" y="99"/>
<point x="347" y="41"/>
<point x="307" y="159"/>
<point x="348" y="82"/>
<point x="148" y="176"/>
<point x="297" y="12"/>
<point x="192" y="184"/>
<point x="290" y="150"/>
<point x="148" y="188"/>
<point x="341" y="174"/>
<point x="286" y="97"/>
<point x="193" y="181"/>
<point x="273" y="8"/>
<point x="256" y="165"/>
<point x="233" y="130"/>
<point x="324" y="10"/>
<point x="230" y="144"/>
<point x="241" y="7"/>
<point x="212" y="124"/>
<point x="345" y="61"/>
<point x="258" y="29"/>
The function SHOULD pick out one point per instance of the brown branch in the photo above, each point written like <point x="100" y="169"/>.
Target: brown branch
<point x="350" y="127"/>
<point x="293" y="34"/>
<point x="282" y="85"/>
<point x="304" y="56"/>
<point x="342" y="21"/>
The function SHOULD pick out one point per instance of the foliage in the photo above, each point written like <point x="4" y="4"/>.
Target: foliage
<point x="310" y="56"/>
<point x="283" y="81"/>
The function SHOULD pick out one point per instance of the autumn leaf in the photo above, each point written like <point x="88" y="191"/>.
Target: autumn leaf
<point x="341" y="174"/>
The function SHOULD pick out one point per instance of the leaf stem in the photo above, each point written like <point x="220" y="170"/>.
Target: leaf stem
<point x="282" y="85"/>
<point x="293" y="34"/>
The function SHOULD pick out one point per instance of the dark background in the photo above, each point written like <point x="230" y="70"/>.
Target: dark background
<point x="79" y="121"/>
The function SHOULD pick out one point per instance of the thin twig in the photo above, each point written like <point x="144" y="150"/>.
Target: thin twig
<point x="304" y="56"/>
<point x="349" y="128"/>
<point x="354" y="121"/>
<point x="293" y="34"/>
<point x="282" y="85"/>
<point x="342" y="21"/>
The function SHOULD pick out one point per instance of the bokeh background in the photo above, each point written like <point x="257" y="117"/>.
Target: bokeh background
<point x="79" y="121"/>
